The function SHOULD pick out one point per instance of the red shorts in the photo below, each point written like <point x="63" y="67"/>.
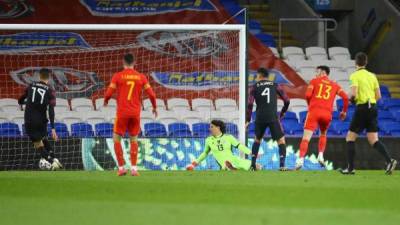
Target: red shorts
<point x="130" y="124"/>
<point x="315" y="119"/>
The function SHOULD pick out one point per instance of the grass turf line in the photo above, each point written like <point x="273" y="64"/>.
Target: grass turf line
<point x="218" y="197"/>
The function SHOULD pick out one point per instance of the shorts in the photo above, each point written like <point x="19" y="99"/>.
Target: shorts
<point x="36" y="132"/>
<point x="238" y="163"/>
<point x="365" y="117"/>
<point x="274" y="127"/>
<point x="124" y="124"/>
<point x="318" y="118"/>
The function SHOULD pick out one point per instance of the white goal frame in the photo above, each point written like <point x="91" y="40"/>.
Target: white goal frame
<point x="188" y="27"/>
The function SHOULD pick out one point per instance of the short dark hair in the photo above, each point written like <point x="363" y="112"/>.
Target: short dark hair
<point x="324" y="68"/>
<point x="44" y="74"/>
<point x="264" y="72"/>
<point x="128" y="59"/>
<point x="220" y="124"/>
<point x="361" y="59"/>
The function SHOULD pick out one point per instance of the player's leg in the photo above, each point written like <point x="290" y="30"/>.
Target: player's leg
<point x="56" y="163"/>
<point x="236" y="163"/>
<point x="36" y="134"/>
<point x="373" y="139"/>
<point x="310" y="125"/>
<point x="324" y="124"/>
<point x="259" y="133"/>
<point x="134" y="129"/>
<point x="119" y="131"/>
<point x="278" y="135"/>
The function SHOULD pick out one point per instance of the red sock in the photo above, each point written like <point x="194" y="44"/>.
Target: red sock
<point x="322" y="143"/>
<point x="119" y="154"/>
<point x="303" y="148"/>
<point x="134" y="152"/>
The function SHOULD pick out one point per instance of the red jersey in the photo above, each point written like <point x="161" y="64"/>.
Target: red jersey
<point x="128" y="85"/>
<point x="321" y="94"/>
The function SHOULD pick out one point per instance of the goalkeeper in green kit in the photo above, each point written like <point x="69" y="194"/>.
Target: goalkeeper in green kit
<point x="220" y="144"/>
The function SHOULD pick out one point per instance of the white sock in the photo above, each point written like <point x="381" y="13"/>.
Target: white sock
<point x="121" y="168"/>
<point x="320" y="155"/>
<point x="134" y="168"/>
<point x="301" y="161"/>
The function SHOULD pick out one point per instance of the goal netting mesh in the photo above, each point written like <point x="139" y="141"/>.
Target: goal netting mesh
<point x="195" y="75"/>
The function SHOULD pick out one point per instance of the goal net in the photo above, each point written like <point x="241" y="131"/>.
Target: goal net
<point x="196" y="71"/>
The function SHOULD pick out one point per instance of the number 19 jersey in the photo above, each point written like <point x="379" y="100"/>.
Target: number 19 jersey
<point x="324" y="93"/>
<point x="129" y="84"/>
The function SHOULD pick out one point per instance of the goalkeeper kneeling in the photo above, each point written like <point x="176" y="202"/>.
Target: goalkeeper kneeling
<point x="220" y="144"/>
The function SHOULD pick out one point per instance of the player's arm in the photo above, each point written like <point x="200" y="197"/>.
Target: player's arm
<point x="250" y="102"/>
<point x="110" y="90"/>
<point x="286" y="100"/>
<point x="345" y="99"/>
<point x="235" y="143"/>
<point x="201" y="157"/>
<point x="152" y="96"/>
<point x="309" y="92"/>
<point x="21" y="99"/>
<point x="52" y="104"/>
<point x="378" y="94"/>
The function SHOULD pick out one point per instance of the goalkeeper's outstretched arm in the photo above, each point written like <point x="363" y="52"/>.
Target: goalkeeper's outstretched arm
<point x="201" y="157"/>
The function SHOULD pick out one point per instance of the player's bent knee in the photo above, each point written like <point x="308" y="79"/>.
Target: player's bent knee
<point x="351" y="136"/>
<point x="134" y="138"/>
<point x="117" y="137"/>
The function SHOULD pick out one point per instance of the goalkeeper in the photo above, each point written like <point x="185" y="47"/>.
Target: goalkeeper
<point x="220" y="144"/>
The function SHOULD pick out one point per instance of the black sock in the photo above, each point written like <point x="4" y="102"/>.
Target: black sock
<point x="351" y="152"/>
<point x="282" y="155"/>
<point x="382" y="149"/>
<point x="45" y="154"/>
<point x="48" y="147"/>
<point x="254" y="153"/>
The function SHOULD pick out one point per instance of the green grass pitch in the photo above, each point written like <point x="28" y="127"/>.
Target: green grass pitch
<point x="190" y="198"/>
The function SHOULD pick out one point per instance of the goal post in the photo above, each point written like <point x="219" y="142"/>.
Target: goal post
<point x="196" y="41"/>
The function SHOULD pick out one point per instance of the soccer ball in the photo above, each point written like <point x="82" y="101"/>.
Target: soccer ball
<point x="44" y="164"/>
<point x="56" y="164"/>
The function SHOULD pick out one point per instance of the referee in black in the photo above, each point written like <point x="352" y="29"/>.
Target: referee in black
<point x="39" y="98"/>
<point x="365" y="93"/>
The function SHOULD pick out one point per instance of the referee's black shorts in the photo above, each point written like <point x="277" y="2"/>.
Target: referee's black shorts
<point x="36" y="131"/>
<point x="274" y="126"/>
<point x="365" y="117"/>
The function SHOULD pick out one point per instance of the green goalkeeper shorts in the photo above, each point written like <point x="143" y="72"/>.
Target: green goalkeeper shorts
<point x="238" y="163"/>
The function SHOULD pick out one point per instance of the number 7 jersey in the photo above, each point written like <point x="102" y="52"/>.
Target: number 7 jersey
<point x="128" y="85"/>
<point x="321" y="93"/>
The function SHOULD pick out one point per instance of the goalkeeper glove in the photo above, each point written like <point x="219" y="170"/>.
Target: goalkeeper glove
<point x="191" y="166"/>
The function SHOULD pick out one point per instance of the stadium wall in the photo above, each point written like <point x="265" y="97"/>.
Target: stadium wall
<point x="176" y="153"/>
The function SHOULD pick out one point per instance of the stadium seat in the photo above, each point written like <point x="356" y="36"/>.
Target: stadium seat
<point x="290" y="116"/>
<point x="339" y="105"/>
<point x="298" y="102"/>
<point x="178" y="104"/>
<point x="232" y="129"/>
<point x="268" y="40"/>
<point x="275" y="51"/>
<point x="339" y="53"/>
<point x="316" y="53"/>
<point x="385" y="91"/>
<point x="225" y="104"/>
<point x="62" y="105"/>
<point x="155" y="130"/>
<point x="201" y="129"/>
<point x="61" y="130"/>
<point x="307" y="73"/>
<point x="202" y="105"/>
<point x="303" y="116"/>
<point x="389" y="127"/>
<point x="192" y="117"/>
<point x="99" y="103"/>
<point x="9" y="105"/>
<point x="392" y="103"/>
<point x="298" y="108"/>
<point x="179" y="130"/>
<point x="70" y="118"/>
<point x="340" y="76"/>
<point x="104" y="130"/>
<point x="385" y="116"/>
<point x="167" y="117"/>
<point x="94" y="117"/>
<point x="160" y="104"/>
<point x="251" y="130"/>
<point x="293" y="53"/>
<point x="9" y="129"/>
<point x="342" y="127"/>
<point x="82" y="104"/>
<point x="345" y="85"/>
<point x="82" y="130"/>
<point x="335" y="115"/>
<point x="4" y="117"/>
<point x="292" y="127"/>
<point x="349" y="66"/>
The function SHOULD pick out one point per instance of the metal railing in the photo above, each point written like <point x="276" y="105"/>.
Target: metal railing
<point x="324" y="27"/>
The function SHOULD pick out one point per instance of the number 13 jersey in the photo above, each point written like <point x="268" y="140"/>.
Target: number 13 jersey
<point x="324" y="93"/>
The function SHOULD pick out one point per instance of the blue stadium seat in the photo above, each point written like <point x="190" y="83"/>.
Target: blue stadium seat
<point x="335" y="115"/>
<point x="397" y="116"/>
<point x="9" y="130"/>
<point x="266" y="39"/>
<point x="303" y="116"/>
<point x="179" y="130"/>
<point x="390" y="127"/>
<point x="82" y="130"/>
<point x="201" y="129"/>
<point x="155" y="130"/>
<point x="232" y="128"/>
<point x="339" y="105"/>
<point x="392" y="103"/>
<point x="342" y="127"/>
<point x="253" y="24"/>
<point x="292" y="127"/>
<point x="384" y="91"/>
<point x="251" y="130"/>
<point x="61" y="130"/>
<point x="385" y="116"/>
<point x="253" y="116"/>
<point x="104" y="129"/>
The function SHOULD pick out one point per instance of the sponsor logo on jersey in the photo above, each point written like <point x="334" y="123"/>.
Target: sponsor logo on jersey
<point x="121" y="8"/>
<point x="68" y="83"/>
<point x="41" y="40"/>
<point x="183" y="44"/>
<point x="15" y="9"/>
